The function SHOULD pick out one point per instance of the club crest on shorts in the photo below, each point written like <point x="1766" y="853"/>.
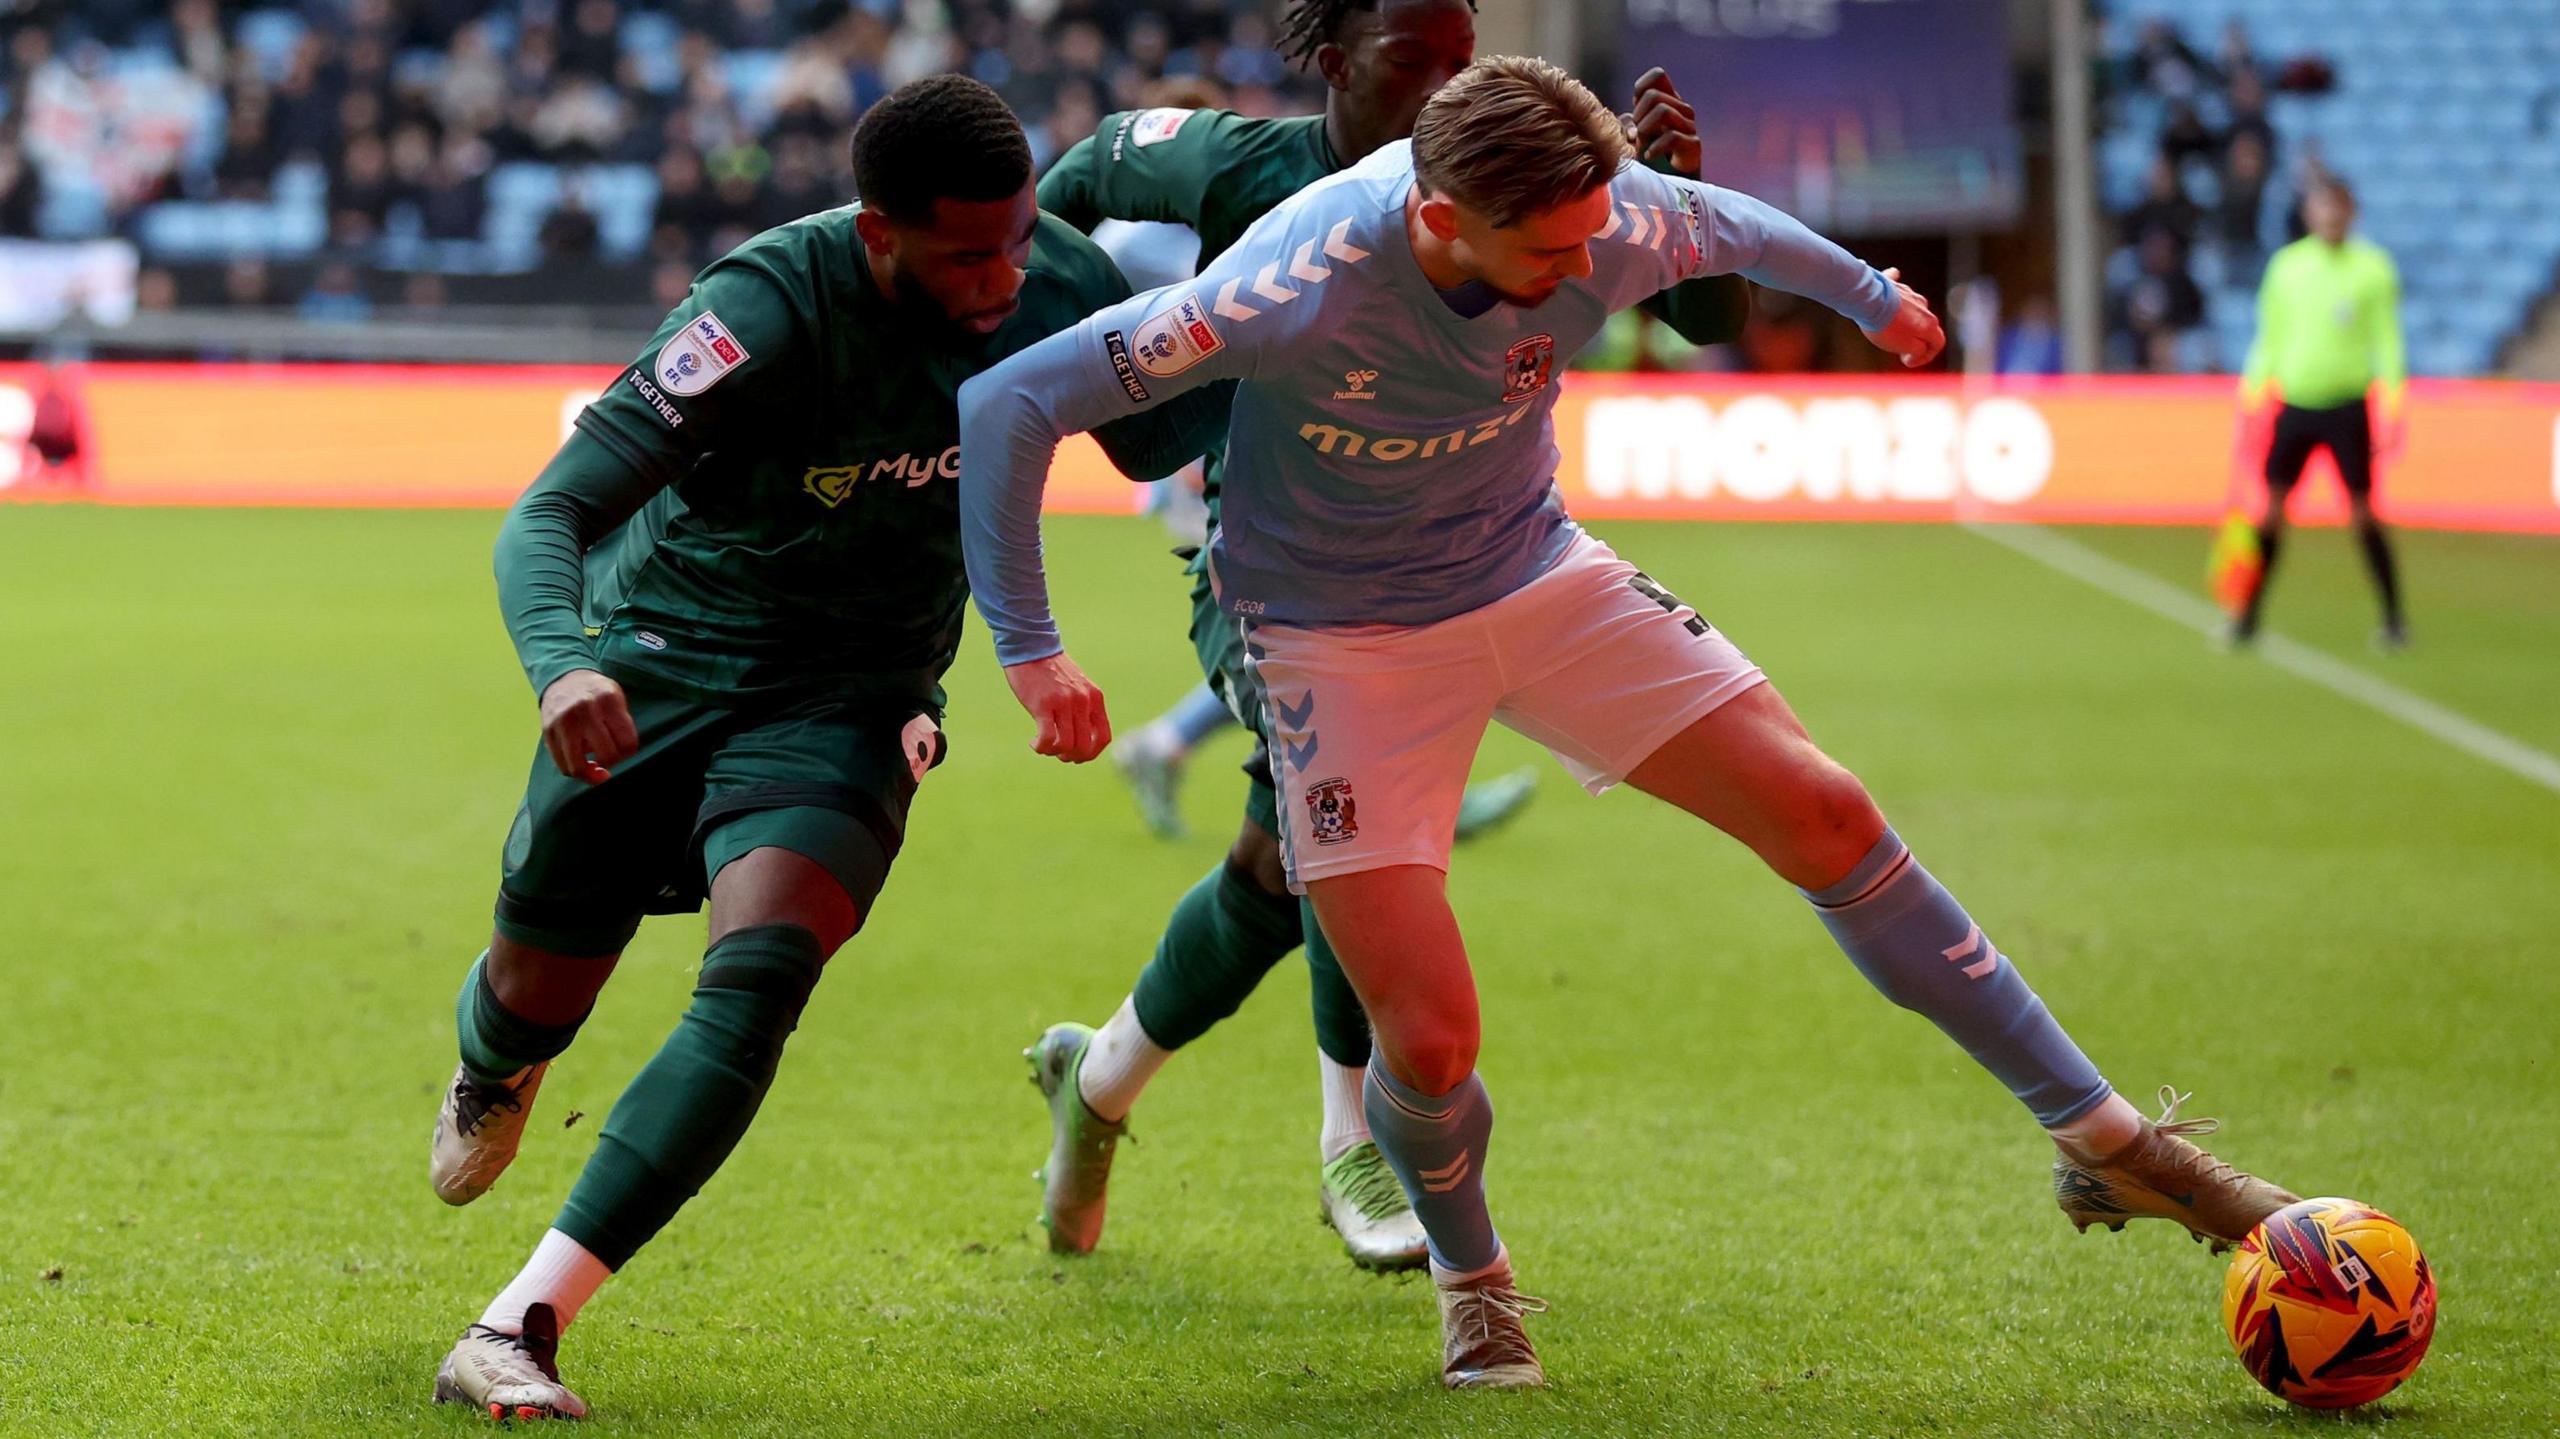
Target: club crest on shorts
<point x="1331" y="814"/>
<point x="1526" y="366"/>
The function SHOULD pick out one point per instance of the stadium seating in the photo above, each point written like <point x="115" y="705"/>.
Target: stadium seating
<point x="2421" y="83"/>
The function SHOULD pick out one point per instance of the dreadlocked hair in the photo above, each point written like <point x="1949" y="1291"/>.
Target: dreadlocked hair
<point x="1308" y="25"/>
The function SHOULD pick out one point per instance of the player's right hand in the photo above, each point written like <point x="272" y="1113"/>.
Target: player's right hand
<point x="586" y="725"/>
<point x="1914" y="332"/>
<point x="1074" y="726"/>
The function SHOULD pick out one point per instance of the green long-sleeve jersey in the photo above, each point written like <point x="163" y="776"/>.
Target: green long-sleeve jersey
<point x="765" y="501"/>
<point x="1218" y="172"/>
<point x="2328" y="323"/>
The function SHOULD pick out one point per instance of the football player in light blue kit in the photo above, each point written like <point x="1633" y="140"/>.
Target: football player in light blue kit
<point x="1397" y="551"/>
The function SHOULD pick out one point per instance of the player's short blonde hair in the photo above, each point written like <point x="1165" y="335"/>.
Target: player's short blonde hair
<point x="1512" y="135"/>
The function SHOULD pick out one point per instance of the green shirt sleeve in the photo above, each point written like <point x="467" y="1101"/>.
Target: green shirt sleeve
<point x="1140" y="165"/>
<point x="1067" y="191"/>
<point x="1709" y="310"/>
<point x="719" y="361"/>
<point x="579" y="498"/>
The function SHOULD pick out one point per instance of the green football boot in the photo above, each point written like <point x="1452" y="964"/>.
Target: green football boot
<point x="1366" y="1206"/>
<point x="1155" y="781"/>
<point x="1490" y="805"/>
<point x="1075" y="1180"/>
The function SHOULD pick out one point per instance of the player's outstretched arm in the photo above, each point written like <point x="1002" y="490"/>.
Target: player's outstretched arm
<point x="1733" y="233"/>
<point x="1130" y="357"/>
<point x="1138" y="165"/>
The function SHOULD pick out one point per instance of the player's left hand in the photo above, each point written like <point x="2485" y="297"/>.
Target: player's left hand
<point x="1074" y="725"/>
<point x="1914" y="332"/>
<point x="1665" y="126"/>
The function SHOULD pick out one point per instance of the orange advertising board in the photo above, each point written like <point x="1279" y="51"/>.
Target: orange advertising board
<point x="2481" y="454"/>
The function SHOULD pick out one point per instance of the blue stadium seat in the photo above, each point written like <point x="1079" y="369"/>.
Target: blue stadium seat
<point x="271" y="35"/>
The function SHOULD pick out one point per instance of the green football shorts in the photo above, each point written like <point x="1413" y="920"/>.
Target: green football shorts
<point x="823" y="777"/>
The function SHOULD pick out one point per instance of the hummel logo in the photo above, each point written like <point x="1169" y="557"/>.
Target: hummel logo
<point x="1974" y="943"/>
<point x="1359" y="382"/>
<point x="1450" y="1176"/>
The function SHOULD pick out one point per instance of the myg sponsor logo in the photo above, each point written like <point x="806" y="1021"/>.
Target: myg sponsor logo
<point x="1334" y="440"/>
<point x="833" y="484"/>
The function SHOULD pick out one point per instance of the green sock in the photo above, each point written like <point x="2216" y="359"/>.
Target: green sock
<point x="1223" y="938"/>
<point x="690" y="1104"/>
<point x="495" y="1040"/>
<point x="1342" y="1026"/>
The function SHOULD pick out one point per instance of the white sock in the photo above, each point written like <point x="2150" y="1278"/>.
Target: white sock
<point x="1118" y="1065"/>
<point x="1346" y="1116"/>
<point x="2103" y="1131"/>
<point x="1451" y="1279"/>
<point x="561" y="1273"/>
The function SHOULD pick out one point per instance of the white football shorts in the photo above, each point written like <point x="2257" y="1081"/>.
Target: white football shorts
<point x="1373" y="727"/>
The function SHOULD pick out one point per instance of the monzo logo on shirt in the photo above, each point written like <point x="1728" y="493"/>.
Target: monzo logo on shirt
<point x="832" y="484"/>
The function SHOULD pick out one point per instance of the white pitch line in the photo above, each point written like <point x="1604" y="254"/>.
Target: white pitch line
<point x="2069" y="557"/>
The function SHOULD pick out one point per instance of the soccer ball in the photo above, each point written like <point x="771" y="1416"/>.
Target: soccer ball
<point x="2329" y="1303"/>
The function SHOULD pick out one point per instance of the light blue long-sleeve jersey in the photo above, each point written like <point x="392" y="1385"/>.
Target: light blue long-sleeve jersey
<point x="1390" y="459"/>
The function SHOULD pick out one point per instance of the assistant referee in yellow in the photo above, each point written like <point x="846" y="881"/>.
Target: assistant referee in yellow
<point x="2328" y="337"/>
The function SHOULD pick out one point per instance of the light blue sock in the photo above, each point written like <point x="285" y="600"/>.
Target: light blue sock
<point x="1436" y="1146"/>
<point x="1198" y="715"/>
<point x="1914" y="943"/>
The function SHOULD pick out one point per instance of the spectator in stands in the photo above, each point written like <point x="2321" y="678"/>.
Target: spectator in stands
<point x="2237" y="57"/>
<point x="21" y="189"/>
<point x="196" y="39"/>
<point x="2165" y="208"/>
<point x="2165" y="64"/>
<point x="2031" y="344"/>
<point x="2186" y="136"/>
<point x="472" y="91"/>
<point x="2162" y="304"/>
<point x="802" y="182"/>
<point x="2248" y="105"/>
<point x="2238" y="213"/>
<point x="336" y="296"/>
<point x="249" y="156"/>
<point x="360" y="193"/>
<point x="591" y="45"/>
<point x="568" y="236"/>
<point x="680" y="228"/>
<point x="455" y="199"/>
<point x="246" y="285"/>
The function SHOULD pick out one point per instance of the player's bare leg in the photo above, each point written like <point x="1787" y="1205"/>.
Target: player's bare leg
<point x="776" y="916"/>
<point x="1431" y="1116"/>
<point x="1749" y="769"/>
<point x="519" y="1008"/>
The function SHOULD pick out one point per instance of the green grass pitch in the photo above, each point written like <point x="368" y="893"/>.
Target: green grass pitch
<point x="256" y="766"/>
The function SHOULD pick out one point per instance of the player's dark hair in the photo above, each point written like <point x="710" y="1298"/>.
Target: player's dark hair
<point x="1309" y="25"/>
<point x="944" y="137"/>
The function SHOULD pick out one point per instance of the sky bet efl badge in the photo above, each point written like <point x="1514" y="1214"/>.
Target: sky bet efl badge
<point x="1175" y="338"/>
<point x="695" y="357"/>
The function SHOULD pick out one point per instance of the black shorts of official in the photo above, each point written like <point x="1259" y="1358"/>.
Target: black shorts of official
<point x="2345" y="431"/>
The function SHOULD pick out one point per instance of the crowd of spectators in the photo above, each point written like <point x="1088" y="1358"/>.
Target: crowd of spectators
<point x="406" y="107"/>
<point x="2206" y="192"/>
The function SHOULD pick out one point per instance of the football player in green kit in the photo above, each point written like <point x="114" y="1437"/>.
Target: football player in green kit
<point x="1219" y="172"/>
<point x="736" y="589"/>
